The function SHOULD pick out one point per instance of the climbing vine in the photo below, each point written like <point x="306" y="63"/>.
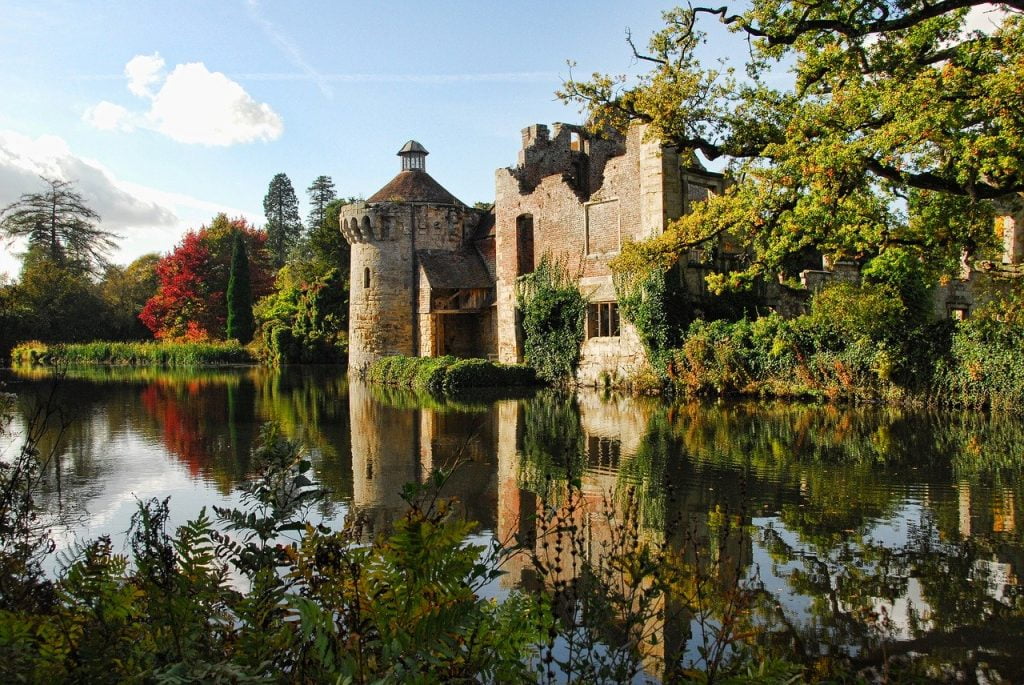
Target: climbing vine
<point x="652" y="299"/>
<point x="553" y="311"/>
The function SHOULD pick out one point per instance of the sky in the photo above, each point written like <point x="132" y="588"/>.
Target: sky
<point x="165" y="113"/>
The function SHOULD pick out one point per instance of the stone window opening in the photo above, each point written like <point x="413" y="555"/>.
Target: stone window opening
<point x="958" y="313"/>
<point x="696" y="192"/>
<point x="366" y="277"/>
<point x="524" y="244"/>
<point x="604" y="453"/>
<point x="603" y="320"/>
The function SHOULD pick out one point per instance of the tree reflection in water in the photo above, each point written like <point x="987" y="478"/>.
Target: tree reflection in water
<point x="827" y="532"/>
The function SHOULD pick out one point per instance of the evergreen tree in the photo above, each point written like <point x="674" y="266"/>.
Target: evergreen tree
<point x="239" y="295"/>
<point x="58" y="222"/>
<point x="320" y="193"/>
<point x="281" y="208"/>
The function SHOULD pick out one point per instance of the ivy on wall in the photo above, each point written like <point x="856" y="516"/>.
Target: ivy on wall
<point x="553" y="313"/>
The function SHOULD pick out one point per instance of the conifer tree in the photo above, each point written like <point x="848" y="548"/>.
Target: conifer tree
<point x="59" y="222"/>
<point x="239" y="295"/>
<point x="320" y="193"/>
<point x="281" y="208"/>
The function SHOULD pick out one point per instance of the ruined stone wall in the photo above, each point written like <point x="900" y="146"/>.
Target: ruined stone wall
<point x="582" y="228"/>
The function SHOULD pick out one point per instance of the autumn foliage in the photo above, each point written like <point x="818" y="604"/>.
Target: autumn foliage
<point x="190" y="302"/>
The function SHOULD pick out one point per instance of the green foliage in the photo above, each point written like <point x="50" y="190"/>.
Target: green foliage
<point x="985" y="367"/>
<point x="657" y="307"/>
<point x="447" y="374"/>
<point x="844" y="312"/>
<point x="905" y="272"/>
<point x="316" y="605"/>
<point x="125" y="291"/>
<point x="239" y="295"/>
<point x="900" y="127"/>
<point x="320" y="193"/>
<point x="59" y="304"/>
<point x="305" y="323"/>
<point x="553" y="313"/>
<point x="856" y="342"/>
<point x="131" y="354"/>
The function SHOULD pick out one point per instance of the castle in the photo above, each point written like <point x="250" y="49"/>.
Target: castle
<point x="431" y="276"/>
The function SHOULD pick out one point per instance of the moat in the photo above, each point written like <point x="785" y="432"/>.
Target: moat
<point x="873" y="530"/>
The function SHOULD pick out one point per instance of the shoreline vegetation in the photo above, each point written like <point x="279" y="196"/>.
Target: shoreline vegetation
<point x="34" y="353"/>
<point x="449" y="375"/>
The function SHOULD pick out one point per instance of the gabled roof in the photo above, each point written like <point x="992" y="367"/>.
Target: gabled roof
<point x="485" y="229"/>
<point x="462" y="269"/>
<point x="414" y="185"/>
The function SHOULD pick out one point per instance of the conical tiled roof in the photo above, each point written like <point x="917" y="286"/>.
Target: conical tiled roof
<point x="414" y="185"/>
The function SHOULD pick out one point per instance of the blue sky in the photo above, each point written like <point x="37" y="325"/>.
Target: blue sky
<point x="167" y="112"/>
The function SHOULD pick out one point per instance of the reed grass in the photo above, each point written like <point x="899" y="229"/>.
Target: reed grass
<point x="35" y="353"/>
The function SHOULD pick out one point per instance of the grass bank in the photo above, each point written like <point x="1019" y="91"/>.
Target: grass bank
<point x="445" y="375"/>
<point x="36" y="353"/>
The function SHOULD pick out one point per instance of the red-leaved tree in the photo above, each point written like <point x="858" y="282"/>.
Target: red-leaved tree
<point x="190" y="301"/>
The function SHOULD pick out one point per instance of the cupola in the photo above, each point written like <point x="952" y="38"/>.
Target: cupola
<point x="414" y="156"/>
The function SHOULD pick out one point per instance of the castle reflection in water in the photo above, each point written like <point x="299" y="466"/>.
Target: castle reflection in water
<point x="844" y="515"/>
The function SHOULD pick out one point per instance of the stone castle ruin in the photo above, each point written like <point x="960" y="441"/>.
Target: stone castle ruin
<point x="431" y="276"/>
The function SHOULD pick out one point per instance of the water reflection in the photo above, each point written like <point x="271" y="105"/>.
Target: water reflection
<point x="870" y="530"/>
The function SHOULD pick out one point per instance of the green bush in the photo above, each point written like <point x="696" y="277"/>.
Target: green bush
<point x="441" y="375"/>
<point x="305" y="323"/>
<point x="984" y="368"/>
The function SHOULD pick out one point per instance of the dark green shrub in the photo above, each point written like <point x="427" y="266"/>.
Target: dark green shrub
<point x="985" y="367"/>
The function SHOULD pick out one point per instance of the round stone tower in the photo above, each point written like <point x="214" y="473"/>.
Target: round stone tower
<point x="411" y="215"/>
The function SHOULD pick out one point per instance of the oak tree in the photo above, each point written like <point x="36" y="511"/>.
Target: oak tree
<point x="901" y="126"/>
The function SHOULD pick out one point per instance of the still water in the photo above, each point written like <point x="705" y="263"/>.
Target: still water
<point x="873" y="530"/>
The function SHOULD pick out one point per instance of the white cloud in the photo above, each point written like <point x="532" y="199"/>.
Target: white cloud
<point x="147" y="219"/>
<point x="106" y="116"/>
<point x="190" y="105"/>
<point x="196" y="105"/>
<point x="144" y="72"/>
